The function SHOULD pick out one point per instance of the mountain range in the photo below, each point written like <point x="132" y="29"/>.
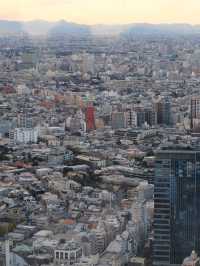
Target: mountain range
<point x="41" y="27"/>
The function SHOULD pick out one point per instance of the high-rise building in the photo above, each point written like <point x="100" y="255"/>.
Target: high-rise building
<point x="145" y="115"/>
<point x="159" y="113"/>
<point x="118" y="120"/>
<point x="24" y="120"/>
<point x="90" y="118"/>
<point x="140" y="115"/>
<point x="131" y="117"/>
<point x="162" y="108"/>
<point x="140" y="118"/>
<point x="195" y="114"/>
<point x="150" y="116"/>
<point x="176" y="205"/>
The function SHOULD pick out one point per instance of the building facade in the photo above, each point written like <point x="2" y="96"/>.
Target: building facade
<point x="67" y="253"/>
<point x="162" y="108"/>
<point x="23" y="135"/>
<point x="177" y="205"/>
<point x="195" y="114"/>
<point x="90" y="118"/>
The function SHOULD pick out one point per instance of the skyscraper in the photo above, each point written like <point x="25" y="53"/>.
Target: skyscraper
<point x="158" y="111"/>
<point x="177" y="205"/>
<point x="162" y="108"/>
<point x="118" y="120"/>
<point x="150" y="116"/>
<point x="195" y="114"/>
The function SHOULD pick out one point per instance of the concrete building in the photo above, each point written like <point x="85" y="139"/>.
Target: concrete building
<point x="23" y="136"/>
<point x="67" y="253"/>
<point x="118" y="120"/>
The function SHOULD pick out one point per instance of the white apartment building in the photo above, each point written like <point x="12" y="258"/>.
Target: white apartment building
<point x="24" y="135"/>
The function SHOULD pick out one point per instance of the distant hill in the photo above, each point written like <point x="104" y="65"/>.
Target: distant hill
<point x="162" y="29"/>
<point x="38" y="27"/>
<point x="62" y="27"/>
<point x="108" y="29"/>
<point x="41" y="27"/>
<point x="10" y="27"/>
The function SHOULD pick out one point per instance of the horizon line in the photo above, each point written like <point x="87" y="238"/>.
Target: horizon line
<point x="101" y="24"/>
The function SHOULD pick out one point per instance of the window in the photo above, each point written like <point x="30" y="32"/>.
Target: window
<point x="61" y="255"/>
<point x="72" y="255"/>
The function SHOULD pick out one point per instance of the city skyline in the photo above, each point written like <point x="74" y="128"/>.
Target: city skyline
<point x="103" y="12"/>
<point x="100" y="133"/>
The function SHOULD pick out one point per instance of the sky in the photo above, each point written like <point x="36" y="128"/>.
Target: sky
<point x="103" y="11"/>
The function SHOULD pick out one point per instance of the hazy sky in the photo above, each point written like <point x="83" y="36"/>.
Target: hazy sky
<point x="103" y="11"/>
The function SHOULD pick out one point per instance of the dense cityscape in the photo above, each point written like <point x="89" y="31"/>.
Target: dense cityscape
<point x="100" y="150"/>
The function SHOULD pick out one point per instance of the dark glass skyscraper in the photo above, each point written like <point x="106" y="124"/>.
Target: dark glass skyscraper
<point x="162" y="108"/>
<point x="195" y="114"/>
<point x="177" y="205"/>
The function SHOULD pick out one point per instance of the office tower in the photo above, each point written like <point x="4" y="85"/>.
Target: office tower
<point x="150" y="116"/>
<point x="162" y="108"/>
<point x="118" y="120"/>
<point x="167" y="112"/>
<point x="158" y="107"/>
<point x="90" y="118"/>
<point x="195" y="114"/>
<point x="140" y="115"/>
<point x="140" y="118"/>
<point x="176" y="205"/>
<point x="144" y="115"/>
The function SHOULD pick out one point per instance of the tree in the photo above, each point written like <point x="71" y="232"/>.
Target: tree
<point x="6" y="228"/>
